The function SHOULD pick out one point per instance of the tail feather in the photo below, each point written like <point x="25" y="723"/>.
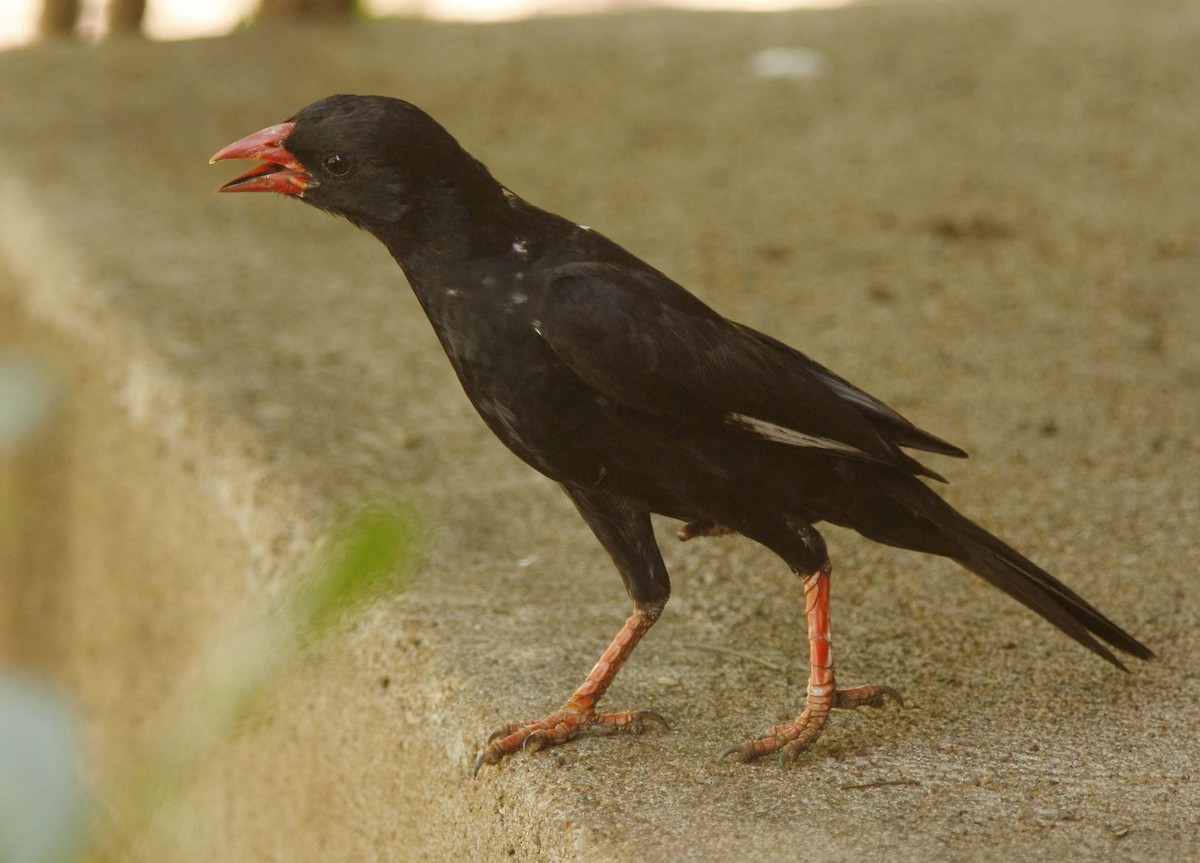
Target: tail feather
<point x="915" y="517"/>
<point x="1023" y="580"/>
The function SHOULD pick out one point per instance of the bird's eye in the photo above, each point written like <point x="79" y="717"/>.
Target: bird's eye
<point x="338" y="164"/>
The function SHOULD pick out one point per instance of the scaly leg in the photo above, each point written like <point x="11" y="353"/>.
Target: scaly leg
<point x="579" y="712"/>
<point x="792" y="738"/>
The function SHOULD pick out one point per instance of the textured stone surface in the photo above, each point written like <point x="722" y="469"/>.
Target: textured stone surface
<point x="985" y="213"/>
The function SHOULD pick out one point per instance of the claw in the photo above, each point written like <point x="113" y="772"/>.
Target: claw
<point x="537" y="739"/>
<point x="740" y="750"/>
<point x="643" y="715"/>
<point x="479" y="762"/>
<point x="505" y="730"/>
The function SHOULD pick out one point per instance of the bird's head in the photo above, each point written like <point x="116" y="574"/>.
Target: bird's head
<point x="367" y="158"/>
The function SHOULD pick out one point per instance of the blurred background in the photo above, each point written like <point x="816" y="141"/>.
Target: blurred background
<point x="24" y="21"/>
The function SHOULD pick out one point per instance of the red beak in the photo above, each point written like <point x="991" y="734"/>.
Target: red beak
<point x="280" y="172"/>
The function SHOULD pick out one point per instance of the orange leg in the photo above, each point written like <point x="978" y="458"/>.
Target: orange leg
<point x="793" y="738"/>
<point x="579" y="712"/>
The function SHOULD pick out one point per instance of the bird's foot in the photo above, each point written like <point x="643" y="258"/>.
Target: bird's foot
<point x="579" y="712"/>
<point x="693" y="529"/>
<point x="559" y="727"/>
<point x="793" y="738"/>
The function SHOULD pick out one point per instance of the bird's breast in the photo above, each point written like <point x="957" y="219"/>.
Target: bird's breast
<point x="488" y="329"/>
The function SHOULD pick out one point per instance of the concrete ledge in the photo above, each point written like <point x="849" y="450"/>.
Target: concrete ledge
<point x="984" y="213"/>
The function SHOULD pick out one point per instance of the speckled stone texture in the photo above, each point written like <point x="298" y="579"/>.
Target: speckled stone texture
<point x="986" y="213"/>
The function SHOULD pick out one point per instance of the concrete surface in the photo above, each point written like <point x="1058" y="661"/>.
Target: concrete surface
<point x="983" y="212"/>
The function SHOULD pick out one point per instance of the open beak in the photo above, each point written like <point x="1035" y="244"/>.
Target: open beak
<point x="280" y="171"/>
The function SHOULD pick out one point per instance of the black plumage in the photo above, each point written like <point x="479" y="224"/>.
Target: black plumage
<point x="608" y="377"/>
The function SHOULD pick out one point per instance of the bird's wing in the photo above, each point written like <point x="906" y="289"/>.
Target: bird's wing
<point x="643" y="342"/>
<point x="887" y="421"/>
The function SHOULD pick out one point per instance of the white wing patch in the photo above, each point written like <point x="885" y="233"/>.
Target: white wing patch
<point x="783" y="434"/>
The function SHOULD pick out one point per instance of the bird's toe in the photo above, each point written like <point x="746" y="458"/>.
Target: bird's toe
<point x="866" y="696"/>
<point x="559" y="727"/>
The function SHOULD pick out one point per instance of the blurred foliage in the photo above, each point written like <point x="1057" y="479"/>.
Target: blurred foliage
<point x="370" y="553"/>
<point x="28" y="391"/>
<point x="42" y="805"/>
<point x="365" y="561"/>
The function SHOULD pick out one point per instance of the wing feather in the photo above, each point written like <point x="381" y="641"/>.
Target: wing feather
<point x="643" y="342"/>
<point x="898" y="428"/>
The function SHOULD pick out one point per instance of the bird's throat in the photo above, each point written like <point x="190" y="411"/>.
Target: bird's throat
<point x="452" y="224"/>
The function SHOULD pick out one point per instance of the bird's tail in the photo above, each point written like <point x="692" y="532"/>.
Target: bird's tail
<point x="1022" y="579"/>
<point x="947" y="532"/>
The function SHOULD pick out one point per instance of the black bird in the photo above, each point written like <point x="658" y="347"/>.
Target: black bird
<point x="609" y="378"/>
